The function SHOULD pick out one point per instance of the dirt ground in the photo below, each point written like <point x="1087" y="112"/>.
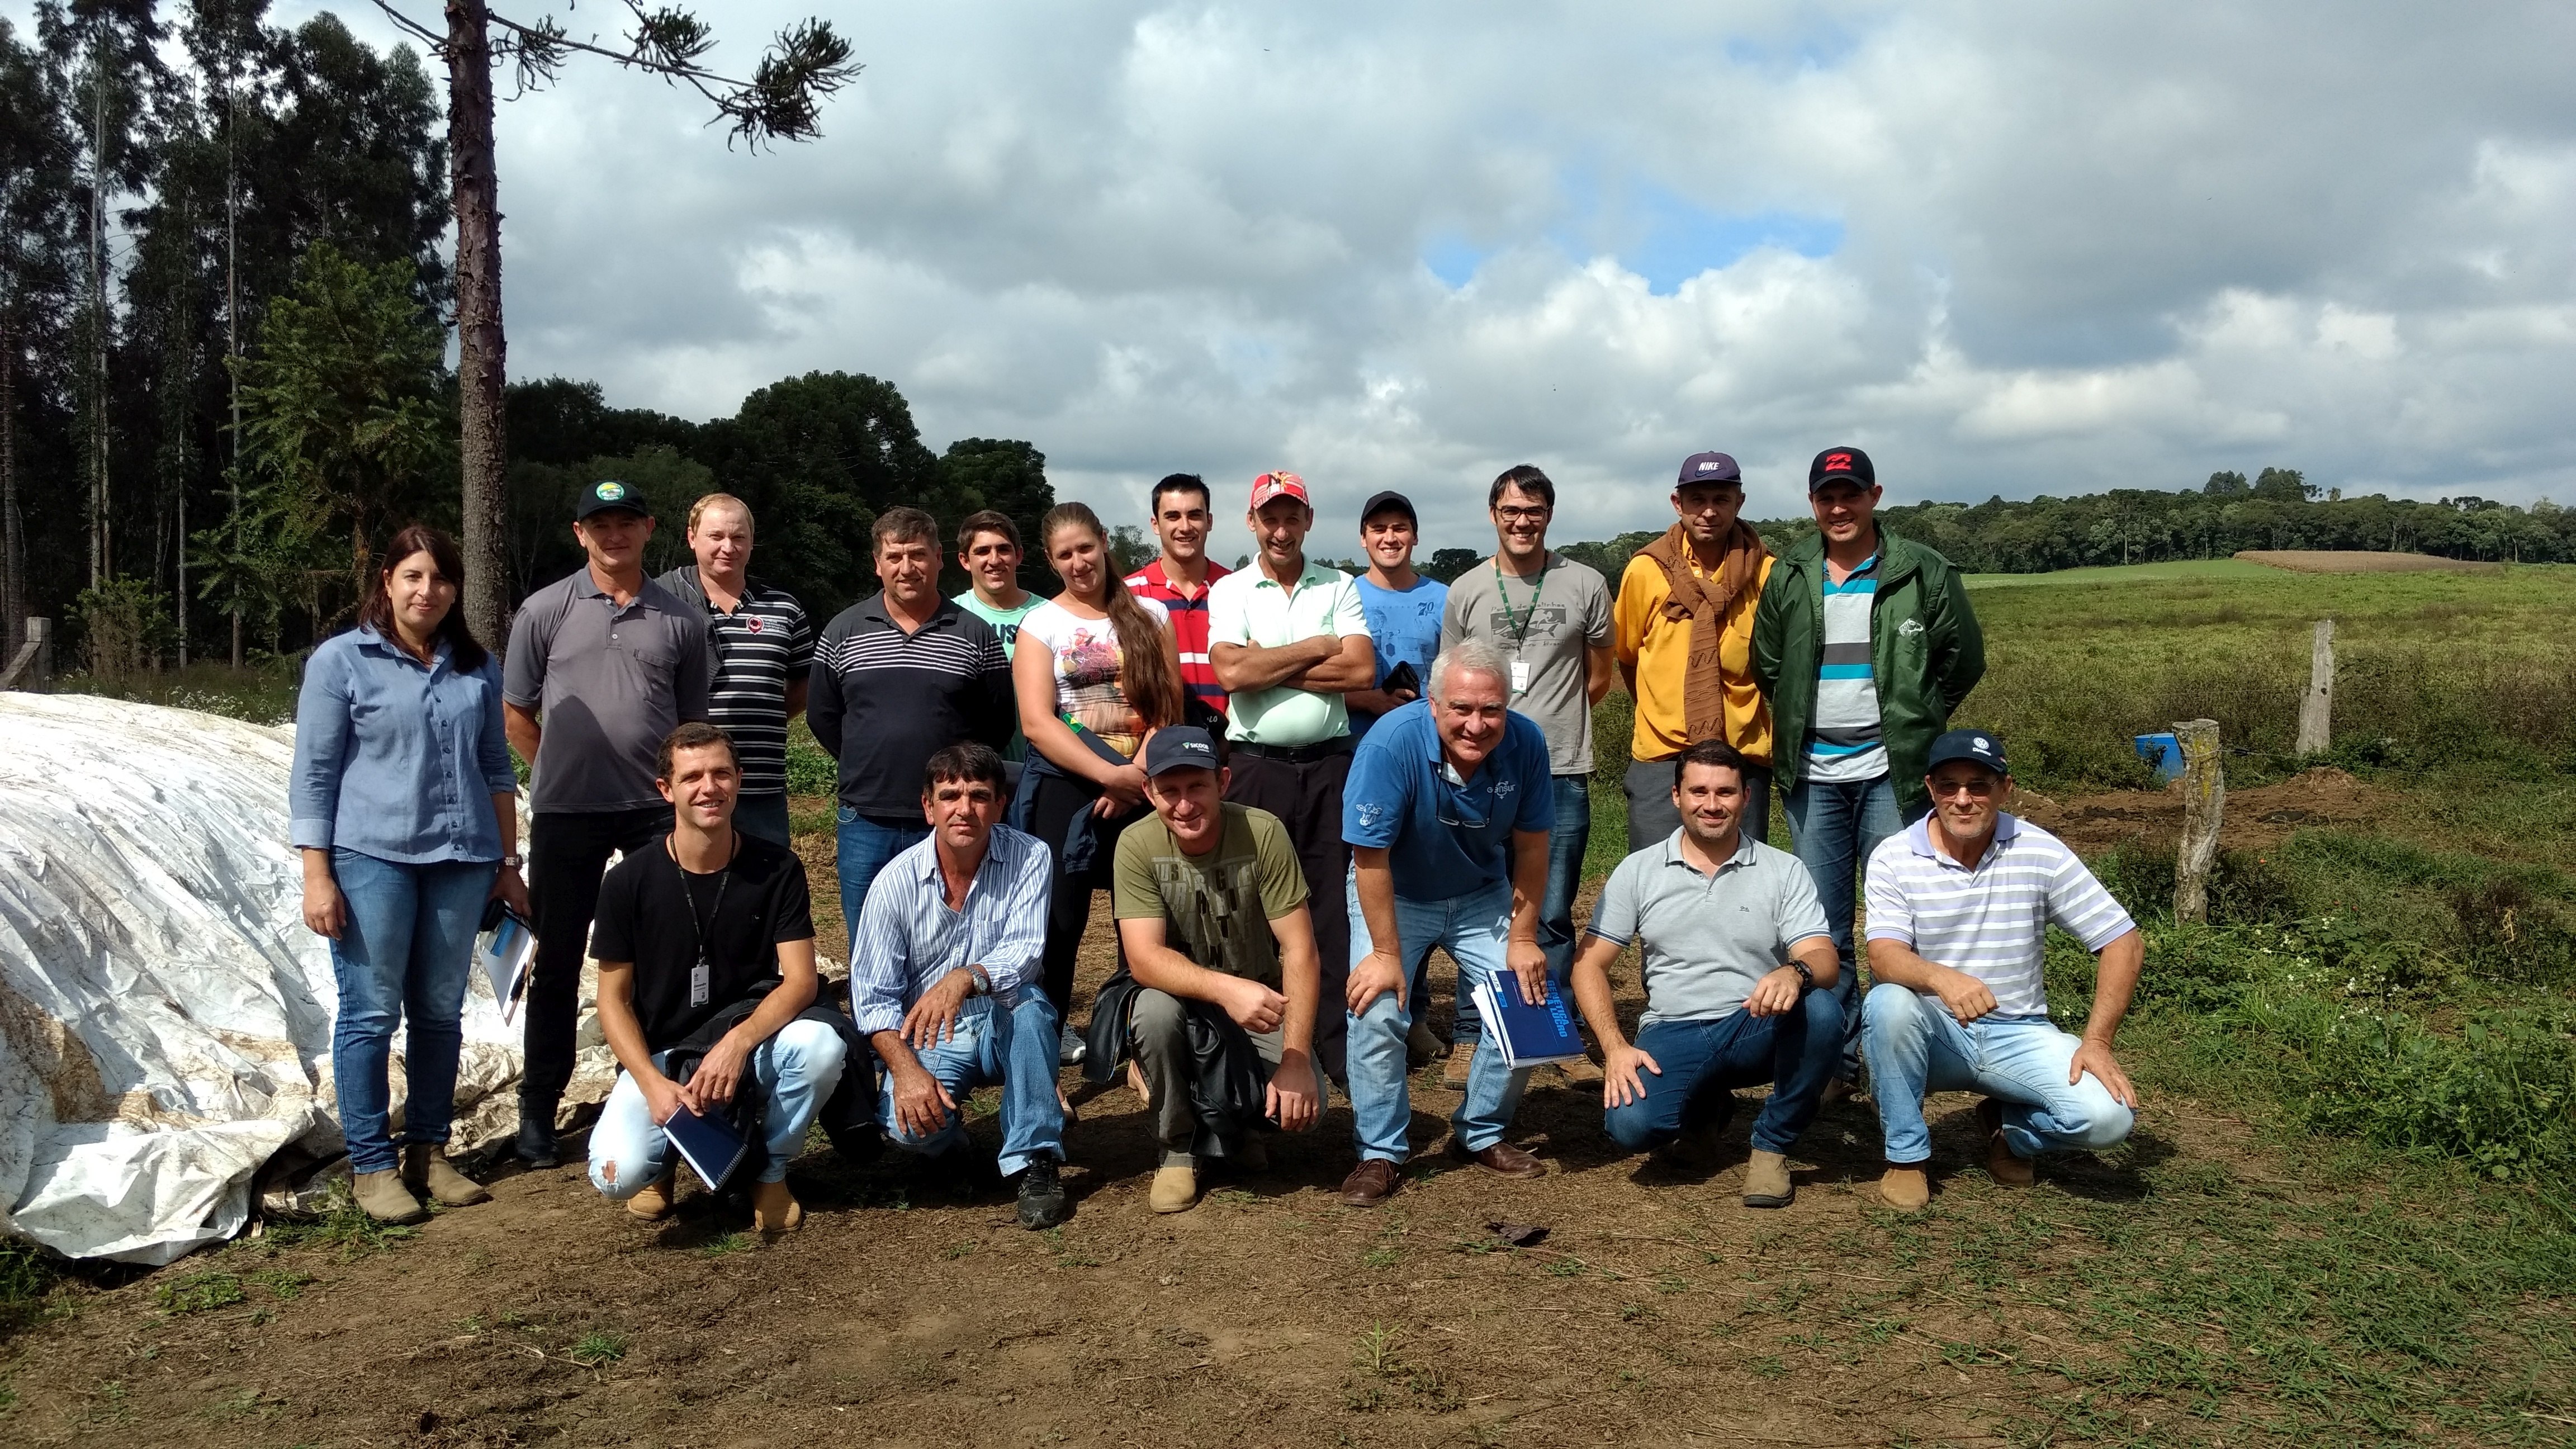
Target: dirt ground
<point x="2357" y="561"/>
<point x="2252" y="819"/>
<point x="912" y="1309"/>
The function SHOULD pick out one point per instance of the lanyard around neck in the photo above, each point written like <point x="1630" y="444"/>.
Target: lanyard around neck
<point x="1520" y="623"/>
<point x="724" y="879"/>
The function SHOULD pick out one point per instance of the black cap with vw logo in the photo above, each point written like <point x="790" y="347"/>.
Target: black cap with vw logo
<point x="1977" y="747"/>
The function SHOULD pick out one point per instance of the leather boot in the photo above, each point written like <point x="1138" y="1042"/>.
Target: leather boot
<point x="654" y="1203"/>
<point x="428" y="1173"/>
<point x="1766" y="1180"/>
<point x="536" y="1144"/>
<point x="774" y="1209"/>
<point x="1908" y="1189"/>
<point x="1175" y="1189"/>
<point x="2001" y="1165"/>
<point x="382" y="1196"/>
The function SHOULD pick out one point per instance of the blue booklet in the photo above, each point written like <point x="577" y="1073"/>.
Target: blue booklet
<point x="708" y="1144"/>
<point x="1531" y="1036"/>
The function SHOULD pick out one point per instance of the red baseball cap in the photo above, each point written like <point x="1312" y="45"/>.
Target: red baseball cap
<point x="1279" y="485"/>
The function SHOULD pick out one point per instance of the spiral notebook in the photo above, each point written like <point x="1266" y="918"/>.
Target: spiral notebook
<point x="502" y="953"/>
<point x="1530" y="1036"/>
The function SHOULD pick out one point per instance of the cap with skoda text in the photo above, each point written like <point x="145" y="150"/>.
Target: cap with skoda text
<point x="1708" y="468"/>
<point x="1179" y="747"/>
<point x="1381" y="502"/>
<point x="1841" y="465"/>
<point x="1977" y="747"/>
<point x="1279" y="485"/>
<point x="607" y="494"/>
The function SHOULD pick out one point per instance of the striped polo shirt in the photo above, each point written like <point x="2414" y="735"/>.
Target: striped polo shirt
<point x="1843" y="743"/>
<point x="884" y="701"/>
<point x="1189" y="626"/>
<point x="1990" y="922"/>
<point x="760" y="646"/>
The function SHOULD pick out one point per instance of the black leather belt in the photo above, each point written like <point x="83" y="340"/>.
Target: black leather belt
<point x="1294" y="754"/>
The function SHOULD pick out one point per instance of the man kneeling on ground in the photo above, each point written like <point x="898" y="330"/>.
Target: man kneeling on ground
<point x="944" y="979"/>
<point x="1959" y="907"/>
<point x="705" y="942"/>
<point x="1218" y="1000"/>
<point x="1716" y="911"/>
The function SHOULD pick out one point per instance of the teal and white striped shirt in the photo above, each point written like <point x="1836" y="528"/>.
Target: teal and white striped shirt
<point x="1843" y="743"/>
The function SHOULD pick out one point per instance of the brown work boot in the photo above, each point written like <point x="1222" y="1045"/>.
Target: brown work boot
<point x="1906" y="1187"/>
<point x="1175" y="1189"/>
<point x="2001" y="1165"/>
<point x="428" y="1173"/>
<point x="1371" y="1183"/>
<point x="1766" y="1180"/>
<point x="1453" y="1072"/>
<point x="1421" y="1045"/>
<point x="774" y="1209"/>
<point x="1582" y="1071"/>
<point x="654" y="1203"/>
<point x="1502" y="1158"/>
<point x="382" y="1196"/>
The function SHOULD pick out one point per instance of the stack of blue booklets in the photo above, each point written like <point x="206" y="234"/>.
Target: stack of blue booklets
<point x="1531" y="1036"/>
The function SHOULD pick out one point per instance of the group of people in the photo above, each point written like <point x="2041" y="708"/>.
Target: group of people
<point x="1293" y="782"/>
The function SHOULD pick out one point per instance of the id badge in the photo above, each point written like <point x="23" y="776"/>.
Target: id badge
<point x="1520" y="676"/>
<point x="698" y="984"/>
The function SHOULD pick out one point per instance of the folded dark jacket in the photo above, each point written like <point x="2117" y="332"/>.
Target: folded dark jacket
<point x="1080" y="847"/>
<point x="848" y="1117"/>
<point x="1228" y="1080"/>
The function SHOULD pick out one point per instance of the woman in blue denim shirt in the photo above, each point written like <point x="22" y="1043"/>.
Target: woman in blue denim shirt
<point x="405" y="809"/>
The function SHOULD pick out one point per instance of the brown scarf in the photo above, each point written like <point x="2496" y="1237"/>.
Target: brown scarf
<point x="1704" y="603"/>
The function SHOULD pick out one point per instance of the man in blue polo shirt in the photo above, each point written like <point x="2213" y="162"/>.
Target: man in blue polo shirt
<point x="1447" y="812"/>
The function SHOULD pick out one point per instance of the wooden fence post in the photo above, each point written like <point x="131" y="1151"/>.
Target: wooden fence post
<point x="2204" y="799"/>
<point x="33" y="665"/>
<point x="2316" y="712"/>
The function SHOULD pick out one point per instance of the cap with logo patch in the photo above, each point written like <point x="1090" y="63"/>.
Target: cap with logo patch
<point x="1279" y="485"/>
<point x="607" y="494"/>
<point x="1977" y="747"/>
<point x="1708" y="468"/>
<point x="1841" y="465"/>
<point x="1180" y="747"/>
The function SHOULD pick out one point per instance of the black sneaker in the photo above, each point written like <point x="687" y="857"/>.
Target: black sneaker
<point x="536" y="1145"/>
<point x="1042" y="1202"/>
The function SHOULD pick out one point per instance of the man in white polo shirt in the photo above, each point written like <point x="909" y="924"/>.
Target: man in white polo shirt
<point x="1287" y="639"/>
<point x="1960" y="904"/>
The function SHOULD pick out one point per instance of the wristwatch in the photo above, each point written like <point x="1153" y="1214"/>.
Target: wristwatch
<point x="1806" y="978"/>
<point x="514" y="862"/>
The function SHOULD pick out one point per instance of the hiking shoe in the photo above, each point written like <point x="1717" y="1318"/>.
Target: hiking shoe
<point x="1906" y="1188"/>
<point x="1371" y="1183"/>
<point x="1042" y="1202"/>
<point x="1581" y="1072"/>
<point x="1453" y="1074"/>
<point x="1502" y="1158"/>
<point x="1071" y="1049"/>
<point x="1766" y="1180"/>
<point x="1175" y="1190"/>
<point x="382" y="1196"/>
<point x="654" y="1203"/>
<point x="774" y="1209"/>
<point x="428" y="1173"/>
<point x="536" y="1144"/>
<point x="2001" y="1164"/>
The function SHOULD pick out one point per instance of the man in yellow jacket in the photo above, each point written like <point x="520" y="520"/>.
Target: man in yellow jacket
<point x="1683" y="631"/>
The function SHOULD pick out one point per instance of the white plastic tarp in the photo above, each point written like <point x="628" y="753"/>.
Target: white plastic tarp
<point x="165" y="1017"/>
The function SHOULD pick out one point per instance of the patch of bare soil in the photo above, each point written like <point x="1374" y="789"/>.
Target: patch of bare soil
<point x="2359" y="561"/>
<point x="2255" y="819"/>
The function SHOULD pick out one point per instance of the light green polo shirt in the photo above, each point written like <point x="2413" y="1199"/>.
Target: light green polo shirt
<point x="1249" y="607"/>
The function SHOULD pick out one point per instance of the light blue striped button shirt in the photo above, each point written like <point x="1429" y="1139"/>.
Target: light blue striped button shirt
<point x="908" y="938"/>
<point x="1991" y="922"/>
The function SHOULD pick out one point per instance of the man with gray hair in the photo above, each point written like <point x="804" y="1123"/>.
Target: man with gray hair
<point x="1447" y="813"/>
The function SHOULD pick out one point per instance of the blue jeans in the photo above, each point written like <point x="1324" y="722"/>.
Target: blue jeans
<point x="864" y="847"/>
<point x="1472" y="927"/>
<point x="405" y="951"/>
<point x="794" y="1072"/>
<point x="1916" y="1045"/>
<point x="1703" y="1060"/>
<point x="1013" y="1047"/>
<point x="764" y="816"/>
<point x="1568" y="837"/>
<point x="1833" y="828"/>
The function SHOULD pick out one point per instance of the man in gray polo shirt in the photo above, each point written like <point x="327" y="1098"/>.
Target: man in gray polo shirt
<point x="601" y="667"/>
<point x="1717" y="912"/>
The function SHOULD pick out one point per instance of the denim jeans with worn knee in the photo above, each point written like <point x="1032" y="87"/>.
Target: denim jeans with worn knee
<point x="1012" y="1046"/>
<point x="1568" y="837"/>
<point x="1705" y="1059"/>
<point x="794" y="1072"/>
<point x="405" y="952"/>
<point x="1473" y="928"/>
<point x="1833" y="828"/>
<point x="1917" y="1046"/>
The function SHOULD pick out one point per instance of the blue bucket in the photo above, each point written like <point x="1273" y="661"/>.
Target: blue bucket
<point x="2163" y="752"/>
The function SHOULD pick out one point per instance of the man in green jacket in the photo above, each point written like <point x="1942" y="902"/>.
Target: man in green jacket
<point x="1863" y="644"/>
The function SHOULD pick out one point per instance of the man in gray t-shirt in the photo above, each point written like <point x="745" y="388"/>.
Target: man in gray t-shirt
<point x="1551" y="618"/>
<point x="602" y="666"/>
<point x="1715" y="913"/>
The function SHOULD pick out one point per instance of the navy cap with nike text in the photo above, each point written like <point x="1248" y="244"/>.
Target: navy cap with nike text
<point x="1708" y="468"/>
<point x="1841" y="465"/>
<point x="1977" y="747"/>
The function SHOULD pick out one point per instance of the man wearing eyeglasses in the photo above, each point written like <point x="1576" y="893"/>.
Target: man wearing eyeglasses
<point x="1550" y="617"/>
<point x="1960" y="904"/>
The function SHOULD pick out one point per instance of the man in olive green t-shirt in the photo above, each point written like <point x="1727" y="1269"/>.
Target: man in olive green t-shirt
<point x="1211" y="907"/>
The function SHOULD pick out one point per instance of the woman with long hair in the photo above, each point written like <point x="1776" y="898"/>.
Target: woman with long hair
<point x="1095" y="666"/>
<point x="405" y="810"/>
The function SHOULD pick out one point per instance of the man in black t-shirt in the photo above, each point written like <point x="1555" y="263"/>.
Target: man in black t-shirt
<point x="705" y="942"/>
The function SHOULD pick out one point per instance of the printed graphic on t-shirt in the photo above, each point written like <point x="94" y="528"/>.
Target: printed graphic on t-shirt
<point x="1547" y="624"/>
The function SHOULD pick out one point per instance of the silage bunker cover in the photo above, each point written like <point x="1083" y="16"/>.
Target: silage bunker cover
<point x="165" y="1017"/>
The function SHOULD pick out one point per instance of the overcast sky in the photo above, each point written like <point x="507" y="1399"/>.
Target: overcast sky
<point x="2014" y="248"/>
